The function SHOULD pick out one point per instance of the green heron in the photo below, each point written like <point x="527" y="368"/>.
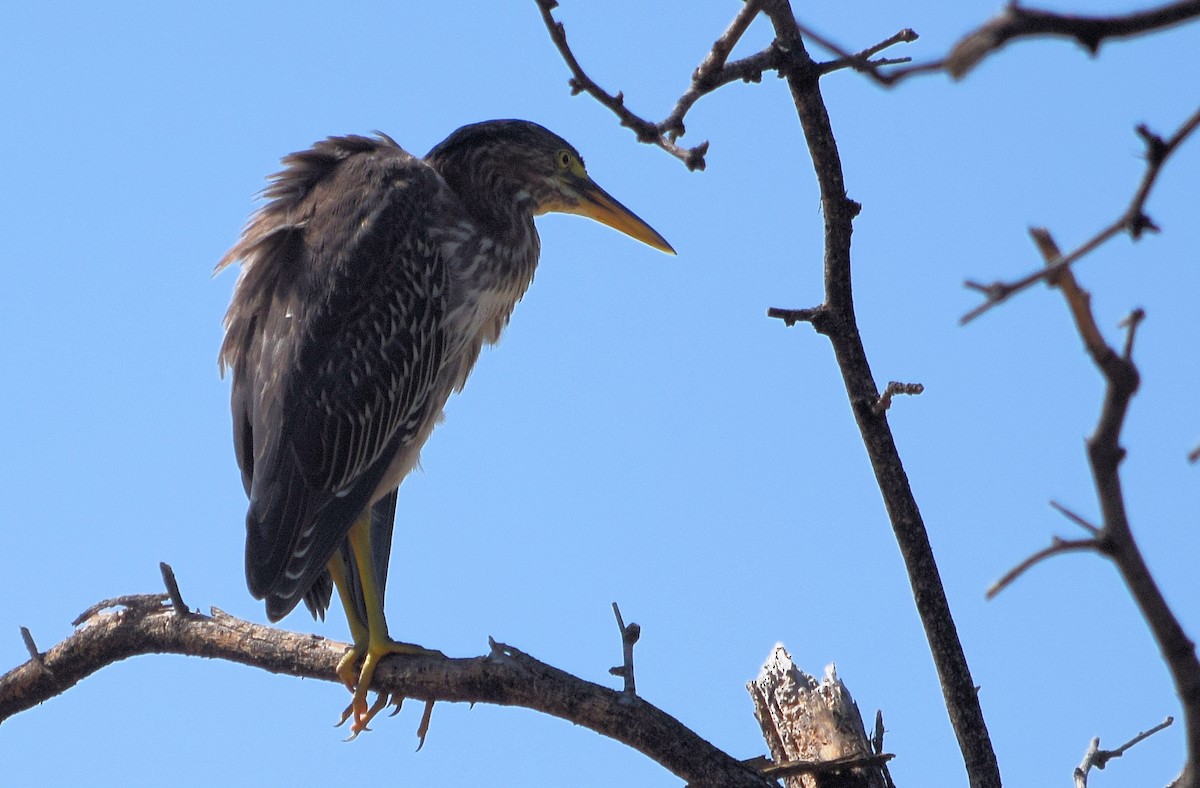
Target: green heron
<point x="370" y="280"/>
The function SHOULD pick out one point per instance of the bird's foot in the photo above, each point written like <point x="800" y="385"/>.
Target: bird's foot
<point x="359" y="681"/>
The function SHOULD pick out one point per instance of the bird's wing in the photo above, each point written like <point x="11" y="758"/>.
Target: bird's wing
<point x="335" y="345"/>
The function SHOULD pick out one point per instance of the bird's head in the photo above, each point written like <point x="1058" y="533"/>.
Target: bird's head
<point x="501" y="166"/>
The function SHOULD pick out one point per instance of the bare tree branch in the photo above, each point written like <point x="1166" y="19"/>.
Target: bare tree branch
<point x="150" y="625"/>
<point x="1099" y="758"/>
<point x="581" y="83"/>
<point x="1115" y="537"/>
<point x="1057" y="546"/>
<point x="1133" y="220"/>
<point x="1017" y="22"/>
<point x="629" y="638"/>
<point x="1082" y="523"/>
<point x="861" y="61"/>
<point x="791" y="317"/>
<point x="836" y="319"/>
<point x="895" y="387"/>
<point x="714" y="71"/>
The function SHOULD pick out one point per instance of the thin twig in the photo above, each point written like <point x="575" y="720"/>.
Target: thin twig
<point x="877" y="747"/>
<point x="708" y="75"/>
<point x="1070" y="515"/>
<point x="629" y="637"/>
<point x="35" y="656"/>
<point x="168" y="575"/>
<point x="1057" y="546"/>
<point x="833" y="766"/>
<point x="791" y="317"/>
<point x="580" y="82"/>
<point x="893" y="388"/>
<point x="1133" y="220"/>
<point x="1094" y="756"/>
<point x="859" y="61"/>
<point x="1017" y="22"/>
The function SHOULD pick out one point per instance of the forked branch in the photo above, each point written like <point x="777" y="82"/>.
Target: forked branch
<point x="1098" y="758"/>
<point x="835" y="318"/>
<point x="1133" y="220"/>
<point x="1113" y="538"/>
<point x="715" y="71"/>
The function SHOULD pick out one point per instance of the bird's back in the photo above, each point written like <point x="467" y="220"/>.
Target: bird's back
<point x="335" y="341"/>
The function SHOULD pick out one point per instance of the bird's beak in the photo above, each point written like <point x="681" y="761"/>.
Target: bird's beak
<point x="595" y="203"/>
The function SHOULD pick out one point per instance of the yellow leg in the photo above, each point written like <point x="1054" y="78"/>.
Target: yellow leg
<point x="358" y="627"/>
<point x="371" y="640"/>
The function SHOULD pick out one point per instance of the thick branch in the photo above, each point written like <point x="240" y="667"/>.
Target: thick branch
<point x="839" y="211"/>
<point x="150" y="625"/>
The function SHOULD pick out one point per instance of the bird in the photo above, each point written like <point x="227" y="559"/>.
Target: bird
<point x="370" y="280"/>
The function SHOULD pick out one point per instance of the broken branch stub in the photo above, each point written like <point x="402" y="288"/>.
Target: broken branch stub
<point x="813" y="729"/>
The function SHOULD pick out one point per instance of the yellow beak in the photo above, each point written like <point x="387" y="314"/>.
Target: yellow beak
<point x="595" y="203"/>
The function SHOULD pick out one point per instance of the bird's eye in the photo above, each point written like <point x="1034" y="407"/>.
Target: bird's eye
<point x="564" y="159"/>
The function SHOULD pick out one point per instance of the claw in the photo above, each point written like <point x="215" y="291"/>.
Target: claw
<point x="358" y="681"/>
<point x="375" y="653"/>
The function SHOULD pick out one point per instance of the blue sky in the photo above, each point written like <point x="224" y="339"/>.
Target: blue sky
<point x="644" y="433"/>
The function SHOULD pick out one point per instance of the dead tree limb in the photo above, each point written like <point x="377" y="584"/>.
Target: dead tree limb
<point x="149" y="624"/>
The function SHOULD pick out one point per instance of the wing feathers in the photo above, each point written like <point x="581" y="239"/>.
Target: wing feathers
<point x="334" y="340"/>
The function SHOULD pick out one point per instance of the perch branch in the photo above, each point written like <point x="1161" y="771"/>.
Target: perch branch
<point x="150" y="625"/>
